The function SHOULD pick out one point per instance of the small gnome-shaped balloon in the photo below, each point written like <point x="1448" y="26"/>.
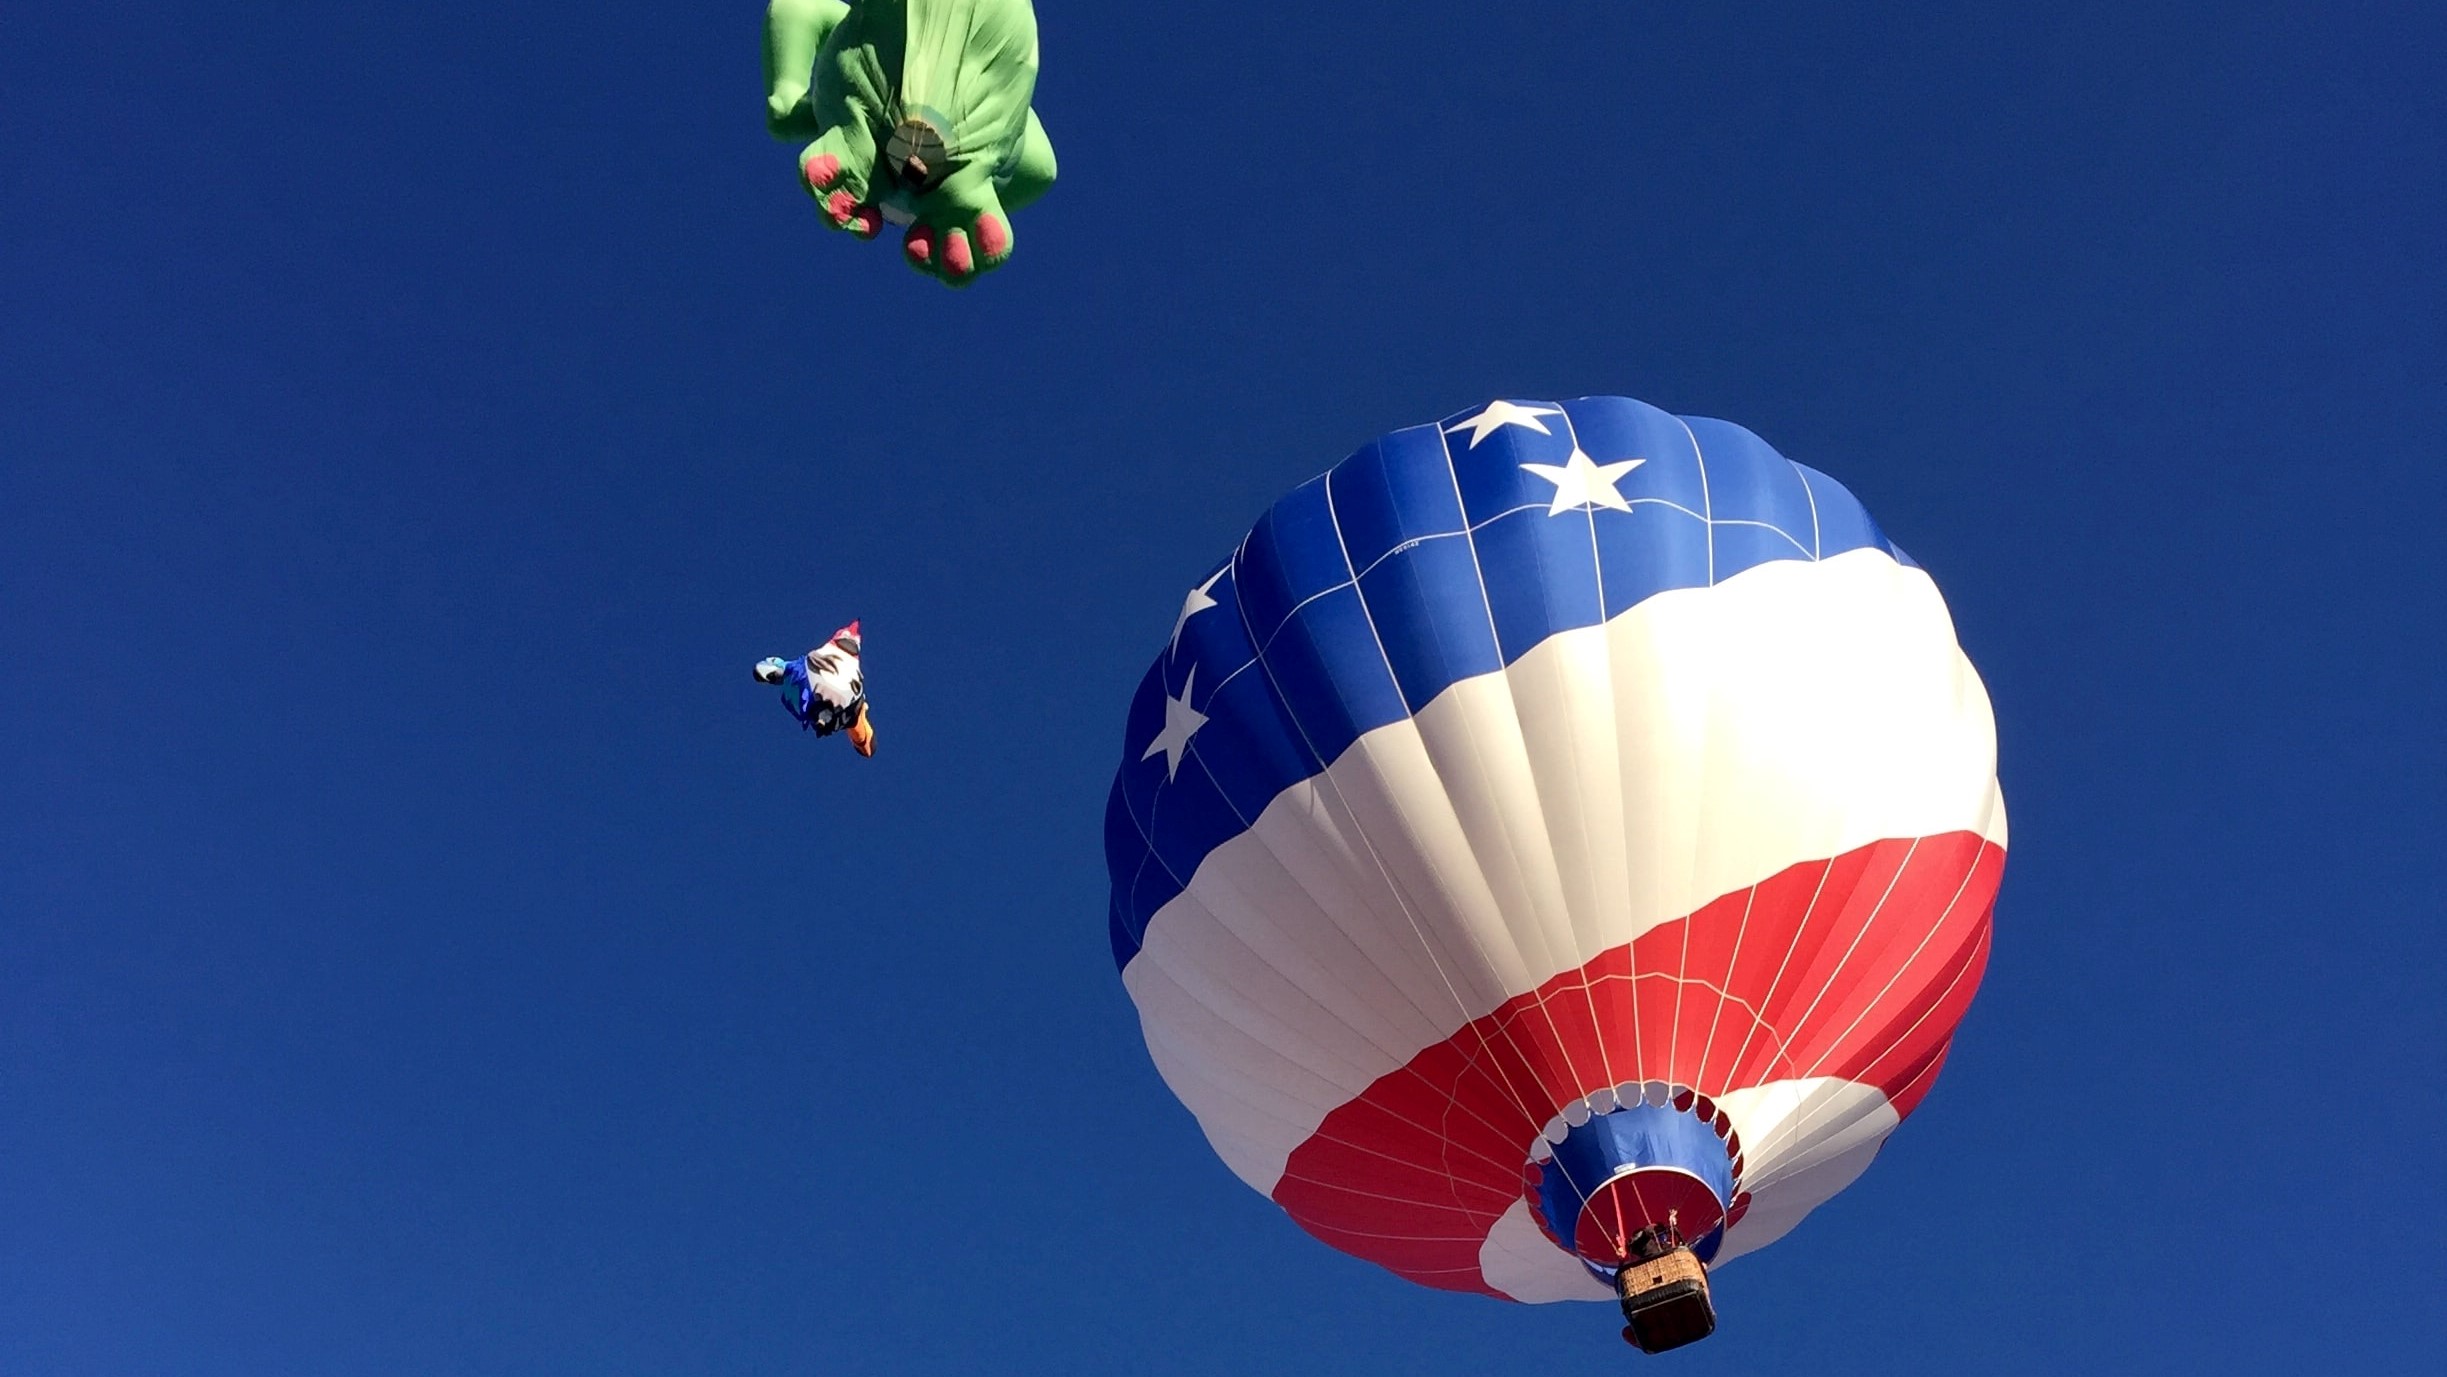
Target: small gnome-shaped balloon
<point x="825" y="688"/>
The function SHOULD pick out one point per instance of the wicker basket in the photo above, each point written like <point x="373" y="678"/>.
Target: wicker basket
<point x="1678" y="1265"/>
<point x="1665" y="1301"/>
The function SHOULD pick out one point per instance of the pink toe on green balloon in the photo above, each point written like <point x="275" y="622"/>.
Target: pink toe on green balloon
<point x="920" y="244"/>
<point x="842" y="206"/>
<point x="957" y="260"/>
<point x="993" y="235"/>
<point x="821" y="169"/>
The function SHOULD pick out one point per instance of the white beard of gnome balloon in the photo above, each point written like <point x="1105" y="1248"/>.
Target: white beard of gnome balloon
<point x="826" y="689"/>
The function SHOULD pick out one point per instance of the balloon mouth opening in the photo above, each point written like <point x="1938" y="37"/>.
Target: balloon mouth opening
<point x="1633" y="1157"/>
<point x="916" y="154"/>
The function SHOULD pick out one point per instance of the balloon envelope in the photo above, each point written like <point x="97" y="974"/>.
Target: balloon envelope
<point x="1554" y="821"/>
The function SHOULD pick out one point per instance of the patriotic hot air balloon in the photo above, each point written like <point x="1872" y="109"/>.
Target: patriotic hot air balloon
<point x="1557" y="837"/>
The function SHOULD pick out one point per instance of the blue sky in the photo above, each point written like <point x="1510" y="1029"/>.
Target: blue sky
<point x="428" y="953"/>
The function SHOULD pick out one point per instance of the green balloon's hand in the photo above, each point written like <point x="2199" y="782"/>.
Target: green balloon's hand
<point x="919" y="114"/>
<point x="795" y="31"/>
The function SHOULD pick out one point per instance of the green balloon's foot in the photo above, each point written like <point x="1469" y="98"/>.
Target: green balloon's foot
<point x="834" y="171"/>
<point x="840" y="206"/>
<point x="962" y="230"/>
<point x="957" y="255"/>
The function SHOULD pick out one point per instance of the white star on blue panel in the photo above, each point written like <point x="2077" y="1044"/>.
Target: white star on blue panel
<point x="1181" y="722"/>
<point x="1501" y="414"/>
<point x="1583" y="482"/>
<point x="1198" y="601"/>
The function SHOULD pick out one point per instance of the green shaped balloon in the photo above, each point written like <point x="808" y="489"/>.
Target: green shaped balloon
<point x="919" y="112"/>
